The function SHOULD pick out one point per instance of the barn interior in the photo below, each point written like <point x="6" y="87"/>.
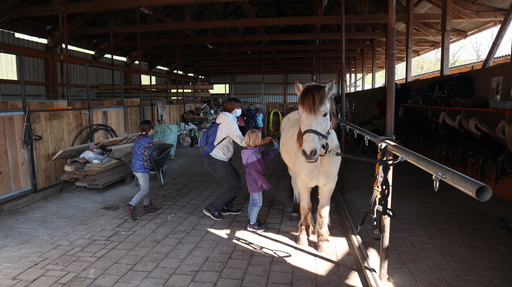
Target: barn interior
<point x="76" y="72"/>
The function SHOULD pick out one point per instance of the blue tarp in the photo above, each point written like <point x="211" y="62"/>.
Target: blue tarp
<point x="168" y="134"/>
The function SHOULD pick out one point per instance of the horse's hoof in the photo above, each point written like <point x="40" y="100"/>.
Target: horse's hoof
<point x="302" y="241"/>
<point x="324" y="247"/>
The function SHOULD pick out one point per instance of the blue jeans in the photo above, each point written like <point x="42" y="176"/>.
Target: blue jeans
<point x="255" y="203"/>
<point x="229" y="176"/>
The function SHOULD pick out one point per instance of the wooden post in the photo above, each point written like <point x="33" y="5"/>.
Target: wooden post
<point x="285" y="90"/>
<point x="349" y="77"/>
<point x="446" y="27"/>
<point x="355" y="74"/>
<point x="363" y="70"/>
<point x="343" y="79"/>
<point x="409" y="40"/>
<point x="68" y="87"/>
<point x="390" y="112"/>
<point x="374" y="62"/>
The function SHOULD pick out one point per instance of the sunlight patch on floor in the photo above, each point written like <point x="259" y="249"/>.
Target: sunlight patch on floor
<point x="304" y="257"/>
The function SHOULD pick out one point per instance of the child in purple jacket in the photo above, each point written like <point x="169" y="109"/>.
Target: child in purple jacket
<point x="253" y="159"/>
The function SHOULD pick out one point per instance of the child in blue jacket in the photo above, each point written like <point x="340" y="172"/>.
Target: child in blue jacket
<point x="258" y="124"/>
<point x="253" y="159"/>
<point x="142" y="163"/>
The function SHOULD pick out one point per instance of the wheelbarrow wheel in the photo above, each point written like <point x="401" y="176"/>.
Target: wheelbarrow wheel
<point x="161" y="176"/>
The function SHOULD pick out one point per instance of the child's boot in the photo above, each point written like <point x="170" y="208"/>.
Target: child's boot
<point x="150" y="208"/>
<point x="129" y="209"/>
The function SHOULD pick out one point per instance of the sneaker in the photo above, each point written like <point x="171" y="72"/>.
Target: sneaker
<point x="213" y="214"/>
<point x="255" y="227"/>
<point x="150" y="208"/>
<point x="261" y="224"/>
<point x="232" y="210"/>
<point x="129" y="209"/>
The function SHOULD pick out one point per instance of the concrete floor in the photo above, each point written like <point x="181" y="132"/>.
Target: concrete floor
<point x="82" y="238"/>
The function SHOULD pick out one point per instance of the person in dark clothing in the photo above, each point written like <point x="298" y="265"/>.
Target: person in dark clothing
<point x="251" y="117"/>
<point x="218" y="161"/>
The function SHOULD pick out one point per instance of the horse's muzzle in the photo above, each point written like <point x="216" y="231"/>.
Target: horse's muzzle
<point x="311" y="157"/>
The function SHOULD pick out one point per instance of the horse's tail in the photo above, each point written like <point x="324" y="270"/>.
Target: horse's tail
<point x="294" y="198"/>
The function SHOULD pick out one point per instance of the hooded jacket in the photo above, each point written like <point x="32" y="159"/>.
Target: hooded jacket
<point x="228" y="129"/>
<point x="253" y="158"/>
<point x="259" y="120"/>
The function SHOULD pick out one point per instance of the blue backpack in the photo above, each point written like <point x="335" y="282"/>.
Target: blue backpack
<point x="207" y="139"/>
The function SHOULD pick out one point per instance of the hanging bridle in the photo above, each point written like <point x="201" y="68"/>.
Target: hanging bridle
<point x="325" y="136"/>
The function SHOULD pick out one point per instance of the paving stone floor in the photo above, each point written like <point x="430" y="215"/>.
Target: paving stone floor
<point x="82" y="238"/>
<point x="443" y="238"/>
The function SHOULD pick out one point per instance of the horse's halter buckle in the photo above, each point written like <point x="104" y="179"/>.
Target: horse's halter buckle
<point x="325" y="136"/>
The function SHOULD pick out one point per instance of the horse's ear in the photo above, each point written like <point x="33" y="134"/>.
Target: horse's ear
<point x="329" y="88"/>
<point x="298" y="88"/>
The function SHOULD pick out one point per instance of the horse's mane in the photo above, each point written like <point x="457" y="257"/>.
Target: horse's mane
<point x="311" y="99"/>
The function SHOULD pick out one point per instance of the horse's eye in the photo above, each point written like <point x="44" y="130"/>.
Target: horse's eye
<point x="325" y="115"/>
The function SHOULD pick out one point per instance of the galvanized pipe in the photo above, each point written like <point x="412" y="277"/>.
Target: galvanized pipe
<point x="468" y="185"/>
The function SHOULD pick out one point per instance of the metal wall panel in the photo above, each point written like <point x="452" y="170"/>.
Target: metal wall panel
<point x="247" y="88"/>
<point x="220" y="79"/>
<point x="274" y="89"/>
<point x="274" y="99"/>
<point x="33" y="69"/>
<point x="302" y="78"/>
<point x="248" y="78"/>
<point x="274" y="78"/>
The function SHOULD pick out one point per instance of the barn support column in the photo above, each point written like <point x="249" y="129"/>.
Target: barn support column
<point x="363" y="70"/>
<point x="65" y="18"/>
<point x="409" y="40"/>
<point x="374" y="62"/>
<point x="390" y="113"/>
<point x="446" y="27"/>
<point x="355" y="74"/>
<point x="343" y="79"/>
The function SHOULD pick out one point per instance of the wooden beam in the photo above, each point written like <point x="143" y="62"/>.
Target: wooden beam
<point x="409" y="40"/>
<point x="499" y="37"/>
<point x="281" y="37"/>
<point x="363" y="70"/>
<point x="446" y="26"/>
<point x="102" y="6"/>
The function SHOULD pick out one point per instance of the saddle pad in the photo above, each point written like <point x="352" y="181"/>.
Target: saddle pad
<point x="472" y="128"/>
<point x="486" y="127"/>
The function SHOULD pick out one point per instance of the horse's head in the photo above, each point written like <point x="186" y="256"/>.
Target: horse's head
<point x="316" y="111"/>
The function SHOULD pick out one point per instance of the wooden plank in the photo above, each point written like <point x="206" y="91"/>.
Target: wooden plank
<point x="98" y="166"/>
<point x="120" y="170"/>
<point x="13" y="152"/>
<point x="103" y="87"/>
<point x="81" y="183"/>
<point x="77" y="150"/>
<point x="155" y="94"/>
<point x="120" y="151"/>
<point x="75" y="166"/>
<point x="109" y="181"/>
<point x="23" y="153"/>
<point x="5" y="171"/>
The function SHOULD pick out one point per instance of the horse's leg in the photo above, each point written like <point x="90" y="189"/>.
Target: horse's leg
<point x="294" y="193"/>
<point x="305" y="212"/>
<point x="322" y="221"/>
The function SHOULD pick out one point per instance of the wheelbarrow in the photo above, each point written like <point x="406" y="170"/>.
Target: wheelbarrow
<point x="161" y="152"/>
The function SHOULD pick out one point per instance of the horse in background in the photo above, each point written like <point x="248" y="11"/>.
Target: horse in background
<point x="307" y="136"/>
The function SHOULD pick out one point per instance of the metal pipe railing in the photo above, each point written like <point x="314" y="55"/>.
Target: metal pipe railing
<point x="468" y="185"/>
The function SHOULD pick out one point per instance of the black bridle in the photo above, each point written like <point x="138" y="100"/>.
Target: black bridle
<point x="325" y="136"/>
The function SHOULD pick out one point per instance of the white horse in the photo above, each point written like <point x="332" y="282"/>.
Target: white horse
<point x="306" y="137"/>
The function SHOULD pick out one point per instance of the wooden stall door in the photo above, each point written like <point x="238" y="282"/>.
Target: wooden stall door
<point x="14" y="164"/>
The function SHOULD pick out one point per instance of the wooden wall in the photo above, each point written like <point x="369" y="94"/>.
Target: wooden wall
<point x="14" y="166"/>
<point x="58" y="128"/>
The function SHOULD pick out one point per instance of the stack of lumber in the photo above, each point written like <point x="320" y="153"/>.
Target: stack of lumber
<point x="97" y="175"/>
